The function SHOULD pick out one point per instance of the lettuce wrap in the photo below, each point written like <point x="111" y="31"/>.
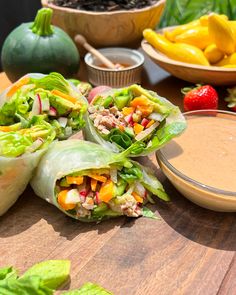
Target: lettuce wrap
<point x="89" y="183"/>
<point x="49" y="97"/>
<point x="20" y="152"/>
<point x="132" y="119"/>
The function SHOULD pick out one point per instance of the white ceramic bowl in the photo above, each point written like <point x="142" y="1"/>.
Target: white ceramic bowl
<point x="115" y="77"/>
<point x="198" y="192"/>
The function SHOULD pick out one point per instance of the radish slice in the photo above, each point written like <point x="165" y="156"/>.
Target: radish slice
<point x="35" y="145"/>
<point x="96" y="91"/>
<point x="140" y="189"/>
<point x="52" y="111"/>
<point x="63" y="121"/>
<point x="113" y="174"/>
<point x="146" y="132"/>
<point x="45" y="104"/>
<point x="156" y="117"/>
<point x="72" y="197"/>
<point x="37" y="105"/>
<point x="97" y="200"/>
<point x="144" y="122"/>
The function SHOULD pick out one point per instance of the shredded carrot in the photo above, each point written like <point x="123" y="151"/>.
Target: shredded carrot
<point x="137" y="197"/>
<point x="61" y="199"/>
<point x="17" y="85"/>
<point x="93" y="184"/>
<point x="150" y="123"/>
<point x="106" y="191"/>
<point x="138" y="128"/>
<point x="127" y="111"/>
<point x="5" y="128"/>
<point x="98" y="177"/>
<point x="63" y="95"/>
<point x="140" y="101"/>
<point x="74" y="180"/>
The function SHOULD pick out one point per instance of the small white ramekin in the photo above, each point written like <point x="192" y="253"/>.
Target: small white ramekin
<point x="115" y="77"/>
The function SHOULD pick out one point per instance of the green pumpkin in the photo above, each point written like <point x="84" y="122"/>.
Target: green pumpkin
<point x="39" y="47"/>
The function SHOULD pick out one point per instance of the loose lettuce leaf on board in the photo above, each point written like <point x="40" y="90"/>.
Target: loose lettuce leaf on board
<point x="89" y="289"/>
<point x="24" y="286"/>
<point x="53" y="273"/>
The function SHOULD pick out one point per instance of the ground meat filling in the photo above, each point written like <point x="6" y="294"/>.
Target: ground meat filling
<point x="106" y="119"/>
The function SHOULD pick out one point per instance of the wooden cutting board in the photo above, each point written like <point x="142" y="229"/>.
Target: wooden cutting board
<point x="190" y="250"/>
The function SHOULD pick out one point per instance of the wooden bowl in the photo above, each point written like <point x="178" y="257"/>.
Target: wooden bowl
<point x="190" y="72"/>
<point x="103" y="29"/>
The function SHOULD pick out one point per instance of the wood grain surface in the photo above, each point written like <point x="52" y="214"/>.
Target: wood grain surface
<point x="190" y="250"/>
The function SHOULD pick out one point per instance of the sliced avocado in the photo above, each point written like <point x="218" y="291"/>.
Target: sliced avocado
<point x="122" y="98"/>
<point x="108" y="100"/>
<point x="120" y="188"/>
<point x="62" y="106"/>
<point x="97" y="100"/>
<point x="64" y="183"/>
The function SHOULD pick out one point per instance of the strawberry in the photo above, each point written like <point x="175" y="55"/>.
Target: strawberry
<point x="200" y="98"/>
<point x="231" y="99"/>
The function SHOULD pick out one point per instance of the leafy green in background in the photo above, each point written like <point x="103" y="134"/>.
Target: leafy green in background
<point x="183" y="11"/>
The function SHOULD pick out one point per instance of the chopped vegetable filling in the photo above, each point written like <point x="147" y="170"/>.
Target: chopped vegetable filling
<point x="95" y="194"/>
<point x="125" y="114"/>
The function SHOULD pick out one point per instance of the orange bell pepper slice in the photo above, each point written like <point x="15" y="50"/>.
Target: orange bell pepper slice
<point x="98" y="177"/>
<point x="65" y="96"/>
<point x="146" y="110"/>
<point x="150" y="123"/>
<point x="138" y="128"/>
<point x="106" y="191"/>
<point x="17" y="85"/>
<point x="137" y="197"/>
<point x="140" y="101"/>
<point x="61" y="199"/>
<point x="121" y="127"/>
<point x="127" y="111"/>
<point x="75" y="179"/>
<point x="93" y="184"/>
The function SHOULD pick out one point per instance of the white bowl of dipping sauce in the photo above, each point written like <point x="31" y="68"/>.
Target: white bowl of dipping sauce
<point x="131" y="61"/>
<point x="201" y="163"/>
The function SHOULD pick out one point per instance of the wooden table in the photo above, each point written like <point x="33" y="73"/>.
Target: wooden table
<point x="189" y="251"/>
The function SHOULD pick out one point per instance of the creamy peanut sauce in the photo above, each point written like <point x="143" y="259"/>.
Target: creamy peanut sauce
<point x="206" y="151"/>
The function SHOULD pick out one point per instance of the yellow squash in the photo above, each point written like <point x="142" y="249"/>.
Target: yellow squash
<point x="198" y="36"/>
<point x="221" y="33"/>
<point x="171" y="35"/>
<point x="181" y="52"/>
<point x="229" y="60"/>
<point x="213" y="54"/>
<point x="204" y="19"/>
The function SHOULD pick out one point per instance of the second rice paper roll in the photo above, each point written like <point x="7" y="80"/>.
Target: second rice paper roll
<point x="132" y="119"/>
<point x="89" y="183"/>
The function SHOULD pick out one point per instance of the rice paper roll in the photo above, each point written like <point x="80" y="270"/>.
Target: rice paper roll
<point x="132" y="119"/>
<point x="20" y="152"/>
<point x="89" y="183"/>
<point x="49" y="97"/>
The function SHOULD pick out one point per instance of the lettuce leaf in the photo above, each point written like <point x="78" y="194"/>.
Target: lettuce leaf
<point x="52" y="81"/>
<point x="89" y="289"/>
<point x="148" y="213"/>
<point x="7" y="272"/>
<point x="53" y="273"/>
<point x="24" y="286"/>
